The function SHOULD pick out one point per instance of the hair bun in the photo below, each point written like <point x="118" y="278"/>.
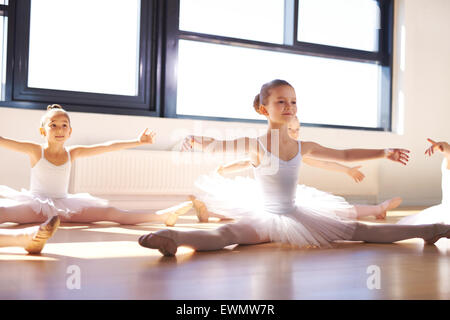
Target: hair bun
<point x="54" y="106"/>
<point x="256" y="103"/>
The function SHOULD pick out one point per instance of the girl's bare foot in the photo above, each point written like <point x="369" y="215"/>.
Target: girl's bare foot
<point x="388" y="205"/>
<point x="165" y="245"/>
<point x="175" y="211"/>
<point x="200" y="209"/>
<point x="44" y="232"/>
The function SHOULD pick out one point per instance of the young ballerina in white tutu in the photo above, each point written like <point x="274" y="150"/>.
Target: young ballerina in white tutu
<point x="50" y="172"/>
<point x="279" y="217"/>
<point x="441" y="212"/>
<point x="215" y="191"/>
<point x="32" y="239"/>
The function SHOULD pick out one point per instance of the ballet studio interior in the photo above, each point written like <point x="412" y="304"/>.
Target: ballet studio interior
<point x="224" y="150"/>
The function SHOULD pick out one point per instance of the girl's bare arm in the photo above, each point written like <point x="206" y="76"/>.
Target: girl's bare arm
<point x="146" y="137"/>
<point x="315" y="150"/>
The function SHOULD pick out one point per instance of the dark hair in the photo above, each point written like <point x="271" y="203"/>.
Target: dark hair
<point x="264" y="93"/>
<point x="51" y="110"/>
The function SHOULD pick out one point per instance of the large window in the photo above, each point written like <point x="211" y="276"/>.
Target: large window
<point x="65" y="54"/>
<point x="344" y="23"/>
<point x="336" y="54"/>
<point x="89" y="55"/>
<point x="346" y="90"/>
<point x="201" y="59"/>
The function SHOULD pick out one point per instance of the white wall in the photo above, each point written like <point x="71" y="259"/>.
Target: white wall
<point x="424" y="83"/>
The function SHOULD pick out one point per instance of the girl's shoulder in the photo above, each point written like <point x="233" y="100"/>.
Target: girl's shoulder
<point x="73" y="151"/>
<point x="307" y="146"/>
<point x="36" y="151"/>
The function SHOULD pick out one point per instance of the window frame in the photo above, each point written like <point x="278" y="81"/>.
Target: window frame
<point x="19" y="95"/>
<point x="3" y="10"/>
<point x="159" y="57"/>
<point x="382" y="57"/>
<point x="3" y="13"/>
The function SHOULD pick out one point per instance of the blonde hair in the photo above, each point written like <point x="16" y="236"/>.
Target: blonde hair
<point x="52" y="109"/>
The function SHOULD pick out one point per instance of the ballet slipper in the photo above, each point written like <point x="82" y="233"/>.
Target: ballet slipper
<point x="381" y="216"/>
<point x="45" y="232"/>
<point x="165" y="245"/>
<point x="388" y="205"/>
<point x="200" y="209"/>
<point x="174" y="212"/>
<point x="445" y="234"/>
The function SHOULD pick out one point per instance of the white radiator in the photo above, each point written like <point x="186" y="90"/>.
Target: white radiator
<point x="141" y="172"/>
<point x="134" y="173"/>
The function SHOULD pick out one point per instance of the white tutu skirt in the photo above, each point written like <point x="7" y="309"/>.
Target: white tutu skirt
<point x="436" y="214"/>
<point x="65" y="206"/>
<point x="318" y="217"/>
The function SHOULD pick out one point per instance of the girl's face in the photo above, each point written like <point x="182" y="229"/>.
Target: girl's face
<point x="57" y="128"/>
<point x="281" y="106"/>
<point x="294" y="129"/>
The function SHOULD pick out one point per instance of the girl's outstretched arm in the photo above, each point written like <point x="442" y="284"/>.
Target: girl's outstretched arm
<point x="232" y="167"/>
<point x="208" y="144"/>
<point x="353" y="172"/>
<point x="242" y="165"/>
<point x="242" y="146"/>
<point x="146" y="137"/>
<point x="315" y="150"/>
<point x="30" y="148"/>
<point x="248" y="147"/>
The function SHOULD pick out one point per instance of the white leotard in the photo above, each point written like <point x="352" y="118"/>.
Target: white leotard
<point x="278" y="190"/>
<point x="50" y="180"/>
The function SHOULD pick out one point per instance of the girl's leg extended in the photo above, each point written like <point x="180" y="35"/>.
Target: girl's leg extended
<point x="388" y="233"/>
<point x="95" y="214"/>
<point x="167" y="241"/>
<point x="20" y="214"/>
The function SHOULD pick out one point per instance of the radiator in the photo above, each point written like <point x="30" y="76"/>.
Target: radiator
<point x="146" y="172"/>
<point x="141" y="172"/>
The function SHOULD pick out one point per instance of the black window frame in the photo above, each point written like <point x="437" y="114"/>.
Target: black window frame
<point x="383" y="57"/>
<point x="19" y="95"/>
<point x="3" y="13"/>
<point x="158" y="79"/>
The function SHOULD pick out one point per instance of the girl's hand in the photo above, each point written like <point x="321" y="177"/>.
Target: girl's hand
<point x="357" y="175"/>
<point x="219" y="170"/>
<point x="441" y="146"/>
<point x="190" y="141"/>
<point x="147" y="136"/>
<point x="397" y="155"/>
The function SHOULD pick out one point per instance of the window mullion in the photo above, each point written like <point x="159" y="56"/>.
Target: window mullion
<point x="385" y="33"/>
<point x="290" y="17"/>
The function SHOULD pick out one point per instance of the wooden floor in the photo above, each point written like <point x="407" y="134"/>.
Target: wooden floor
<point x="111" y="265"/>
